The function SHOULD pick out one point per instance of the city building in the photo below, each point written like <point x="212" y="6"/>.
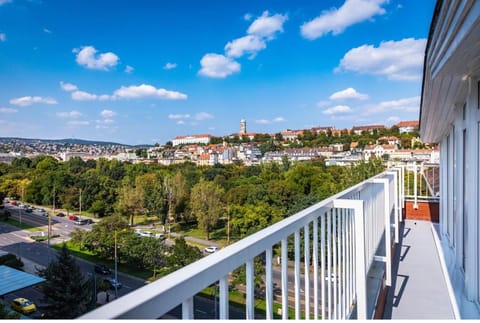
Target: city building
<point x="193" y="139"/>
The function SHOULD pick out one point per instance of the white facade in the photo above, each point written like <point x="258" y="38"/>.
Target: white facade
<point x="185" y="140"/>
<point x="450" y="115"/>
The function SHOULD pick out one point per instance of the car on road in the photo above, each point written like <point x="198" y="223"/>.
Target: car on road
<point x="113" y="282"/>
<point x="60" y="214"/>
<point x="80" y="222"/>
<point x="73" y="217"/>
<point x="211" y="249"/>
<point x="102" y="269"/>
<point x="41" y="210"/>
<point x="141" y="233"/>
<point x="23" y="305"/>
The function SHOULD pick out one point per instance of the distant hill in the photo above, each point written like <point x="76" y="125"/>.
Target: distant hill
<point x="63" y="141"/>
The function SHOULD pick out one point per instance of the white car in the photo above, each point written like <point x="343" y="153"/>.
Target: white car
<point x="211" y="249"/>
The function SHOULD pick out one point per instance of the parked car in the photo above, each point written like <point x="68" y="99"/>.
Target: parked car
<point x="141" y="233"/>
<point x="42" y="210"/>
<point x="60" y="214"/>
<point x="73" y="217"/>
<point x="79" y="222"/>
<point x="211" y="249"/>
<point x="102" y="269"/>
<point x="23" y="305"/>
<point x="113" y="282"/>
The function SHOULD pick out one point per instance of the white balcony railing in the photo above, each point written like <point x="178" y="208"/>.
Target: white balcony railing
<point x="345" y="238"/>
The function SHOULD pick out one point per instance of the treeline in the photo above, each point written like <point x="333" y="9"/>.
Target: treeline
<point x="248" y="197"/>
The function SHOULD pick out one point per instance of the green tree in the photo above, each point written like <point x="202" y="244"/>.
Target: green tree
<point x="206" y="204"/>
<point x="182" y="255"/>
<point x="67" y="293"/>
<point x="8" y="315"/>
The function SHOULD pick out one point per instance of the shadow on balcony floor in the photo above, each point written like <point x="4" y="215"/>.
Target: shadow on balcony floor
<point x="419" y="289"/>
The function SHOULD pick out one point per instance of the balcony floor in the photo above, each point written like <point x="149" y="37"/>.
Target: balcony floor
<point x="419" y="289"/>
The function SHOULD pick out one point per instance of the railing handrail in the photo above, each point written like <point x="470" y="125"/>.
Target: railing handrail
<point x="175" y="288"/>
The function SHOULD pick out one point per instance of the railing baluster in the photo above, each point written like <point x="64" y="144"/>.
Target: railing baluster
<point x="329" y="264"/>
<point x="250" y="301"/>
<point x="187" y="309"/>
<point x="306" y="275"/>
<point x="269" y="283"/>
<point x="322" y="261"/>
<point x="343" y="263"/>
<point x="297" y="275"/>
<point x="315" y="269"/>
<point x="223" y="298"/>
<point x="284" y="279"/>
<point x="334" y="278"/>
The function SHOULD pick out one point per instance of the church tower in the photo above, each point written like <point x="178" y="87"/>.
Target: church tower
<point x="243" y="126"/>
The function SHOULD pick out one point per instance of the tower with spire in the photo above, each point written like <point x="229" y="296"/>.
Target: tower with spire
<point x="243" y="126"/>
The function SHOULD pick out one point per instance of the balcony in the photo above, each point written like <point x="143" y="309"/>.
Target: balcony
<point x="338" y="259"/>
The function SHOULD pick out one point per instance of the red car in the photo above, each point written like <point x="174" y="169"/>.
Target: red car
<point x="73" y="217"/>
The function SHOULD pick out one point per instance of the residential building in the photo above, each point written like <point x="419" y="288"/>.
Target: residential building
<point x="370" y="128"/>
<point x="450" y="116"/>
<point x="378" y="151"/>
<point x="407" y="126"/>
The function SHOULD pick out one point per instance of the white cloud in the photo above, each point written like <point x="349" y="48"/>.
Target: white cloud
<point x="70" y="114"/>
<point x="407" y="105"/>
<point x="29" y="100"/>
<point x="8" y="110"/>
<point x="68" y="86"/>
<point x="48" y="31"/>
<point x="398" y="60"/>
<point x="107" y="113"/>
<point x="3" y="37"/>
<point x="275" y="120"/>
<point x="145" y="90"/>
<point x="89" y="58"/>
<point x="337" y="20"/>
<point x="203" y="116"/>
<point x="218" y="66"/>
<point x="392" y="120"/>
<point x="339" y="109"/>
<point x="180" y="122"/>
<point x="128" y="69"/>
<point x="248" y="44"/>
<point x="2" y="2"/>
<point x="348" y="94"/>
<point x="262" y="121"/>
<point x="78" y="123"/>
<point x="178" y="116"/>
<point x="83" y="96"/>
<point x="105" y="121"/>
<point x="267" y="26"/>
<point x="170" y="66"/>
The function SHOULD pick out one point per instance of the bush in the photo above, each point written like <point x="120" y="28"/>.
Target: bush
<point x="44" y="238"/>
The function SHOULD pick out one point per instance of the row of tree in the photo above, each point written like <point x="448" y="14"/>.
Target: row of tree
<point x="249" y="198"/>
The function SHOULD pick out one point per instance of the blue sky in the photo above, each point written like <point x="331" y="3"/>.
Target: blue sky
<point x="143" y="71"/>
